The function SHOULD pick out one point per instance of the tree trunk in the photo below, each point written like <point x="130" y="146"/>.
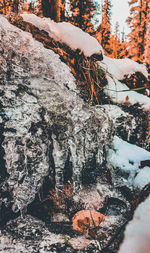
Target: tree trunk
<point x="51" y="9"/>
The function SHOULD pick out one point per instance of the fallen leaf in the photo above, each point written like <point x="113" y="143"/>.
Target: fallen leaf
<point x="83" y="220"/>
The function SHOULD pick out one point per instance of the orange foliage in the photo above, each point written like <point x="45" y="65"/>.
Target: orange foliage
<point x="58" y="197"/>
<point x="86" y="220"/>
<point x="148" y="129"/>
<point x="127" y="99"/>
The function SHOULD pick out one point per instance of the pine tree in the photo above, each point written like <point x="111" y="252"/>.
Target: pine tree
<point x="82" y="13"/>
<point x="123" y="36"/>
<point x="138" y="22"/>
<point x="3" y="7"/>
<point x="53" y="9"/>
<point x="147" y="37"/>
<point x="104" y="28"/>
<point x="147" y="46"/>
<point x="114" y="43"/>
<point x="117" y="34"/>
<point x="9" y="6"/>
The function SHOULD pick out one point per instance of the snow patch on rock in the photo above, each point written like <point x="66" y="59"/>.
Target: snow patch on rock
<point x="142" y="178"/>
<point x="67" y="33"/>
<point x="126" y="157"/>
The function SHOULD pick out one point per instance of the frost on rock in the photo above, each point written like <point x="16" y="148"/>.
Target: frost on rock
<point x="137" y="233"/>
<point x="127" y="158"/>
<point x="68" y="34"/>
<point x="45" y="125"/>
<point x="120" y="68"/>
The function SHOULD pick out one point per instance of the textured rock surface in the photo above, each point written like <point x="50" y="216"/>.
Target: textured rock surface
<point x="29" y="235"/>
<point x="47" y="131"/>
<point x="130" y="122"/>
<point x="44" y="124"/>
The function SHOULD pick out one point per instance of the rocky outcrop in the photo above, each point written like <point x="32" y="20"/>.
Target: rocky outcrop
<point x="49" y="133"/>
<point x="44" y="123"/>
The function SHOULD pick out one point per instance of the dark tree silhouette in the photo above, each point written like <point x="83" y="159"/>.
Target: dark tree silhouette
<point x="54" y="9"/>
<point x="103" y="33"/>
<point x="138" y="22"/>
<point x="82" y="13"/>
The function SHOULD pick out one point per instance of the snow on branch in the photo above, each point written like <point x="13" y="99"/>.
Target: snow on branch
<point x="68" y="34"/>
<point x="120" y="68"/>
<point x="65" y="38"/>
<point x="120" y="93"/>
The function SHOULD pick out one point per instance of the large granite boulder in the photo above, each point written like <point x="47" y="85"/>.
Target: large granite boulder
<point x="45" y="125"/>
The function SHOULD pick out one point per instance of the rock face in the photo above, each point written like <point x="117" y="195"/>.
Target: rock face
<point x="44" y="124"/>
<point x="49" y="133"/>
<point x="130" y="123"/>
<point x="29" y="235"/>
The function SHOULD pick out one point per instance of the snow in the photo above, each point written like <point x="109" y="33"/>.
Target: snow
<point x="75" y="38"/>
<point x="66" y="33"/>
<point x="118" y="92"/>
<point x="143" y="178"/>
<point x="123" y="155"/>
<point x="127" y="157"/>
<point x="137" y="233"/>
<point x="120" y="68"/>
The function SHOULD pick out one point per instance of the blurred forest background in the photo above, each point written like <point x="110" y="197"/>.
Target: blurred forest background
<point x="87" y="14"/>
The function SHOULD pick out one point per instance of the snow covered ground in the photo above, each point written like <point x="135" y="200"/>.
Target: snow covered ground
<point x="78" y="39"/>
<point x="137" y="233"/>
<point x="127" y="158"/>
<point x="116" y="69"/>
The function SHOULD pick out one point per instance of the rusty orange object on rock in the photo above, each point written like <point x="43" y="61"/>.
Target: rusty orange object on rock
<point x="87" y="219"/>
